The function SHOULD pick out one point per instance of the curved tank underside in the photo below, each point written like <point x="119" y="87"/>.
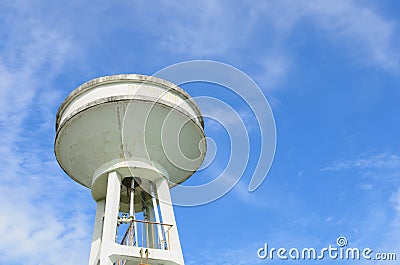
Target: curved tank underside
<point x="142" y="125"/>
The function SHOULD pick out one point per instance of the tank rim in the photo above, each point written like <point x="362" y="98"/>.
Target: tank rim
<point x="134" y="78"/>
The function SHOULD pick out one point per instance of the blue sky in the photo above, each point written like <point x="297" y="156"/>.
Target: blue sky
<point x="329" y="69"/>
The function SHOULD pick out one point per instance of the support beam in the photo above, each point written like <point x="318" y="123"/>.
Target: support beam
<point x="160" y="229"/>
<point x="111" y="217"/>
<point x="150" y="226"/>
<point x="168" y="216"/>
<point x="97" y="233"/>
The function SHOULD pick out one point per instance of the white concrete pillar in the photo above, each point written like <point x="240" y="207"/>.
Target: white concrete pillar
<point x="168" y="216"/>
<point x="150" y="226"/>
<point x="111" y="217"/>
<point x="158" y="220"/>
<point x="97" y="232"/>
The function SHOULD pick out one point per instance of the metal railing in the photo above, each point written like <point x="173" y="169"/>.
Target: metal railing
<point x="146" y="234"/>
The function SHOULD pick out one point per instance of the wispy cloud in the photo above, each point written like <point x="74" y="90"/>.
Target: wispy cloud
<point x="242" y="255"/>
<point x="365" y="28"/>
<point x="221" y="30"/>
<point x="379" y="182"/>
<point x="395" y="199"/>
<point x="360" y="31"/>
<point x="33" y="53"/>
<point x="199" y="28"/>
<point x="381" y="161"/>
<point x="36" y="224"/>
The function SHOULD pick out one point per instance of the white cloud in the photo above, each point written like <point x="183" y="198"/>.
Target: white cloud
<point x="381" y="196"/>
<point x="381" y="162"/>
<point x="37" y="226"/>
<point x="37" y="232"/>
<point x="366" y="186"/>
<point x="361" y="25"/>
<point x="334" y="221"/>
<point x="395" y="199"/>
<point x="275" y="68"/>
<point x="32" y="54"/>
<point x="198" y="28"/>
<point x="240" y="255"/>
<point x="222" y="30"/>
<point x="362" y="31"/>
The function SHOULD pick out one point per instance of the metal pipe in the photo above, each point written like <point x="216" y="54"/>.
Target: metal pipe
<point x="132" y="212"/>
<point x="157" y="215"/>
<point x="136" y="232"/>
<point x="132" y="201"/>
<point x="129" y="183"/>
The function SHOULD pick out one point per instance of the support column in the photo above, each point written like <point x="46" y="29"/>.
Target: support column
<point x="111" y="217"/>
<point x="168" y="216"/>
<point x="150" y="226"/>
<point x="97" y="233"/>
<point x="158" y="220"/>
<point x="133" y="237"/>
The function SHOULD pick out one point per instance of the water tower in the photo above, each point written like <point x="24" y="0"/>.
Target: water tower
<point x="130" y="139"/>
